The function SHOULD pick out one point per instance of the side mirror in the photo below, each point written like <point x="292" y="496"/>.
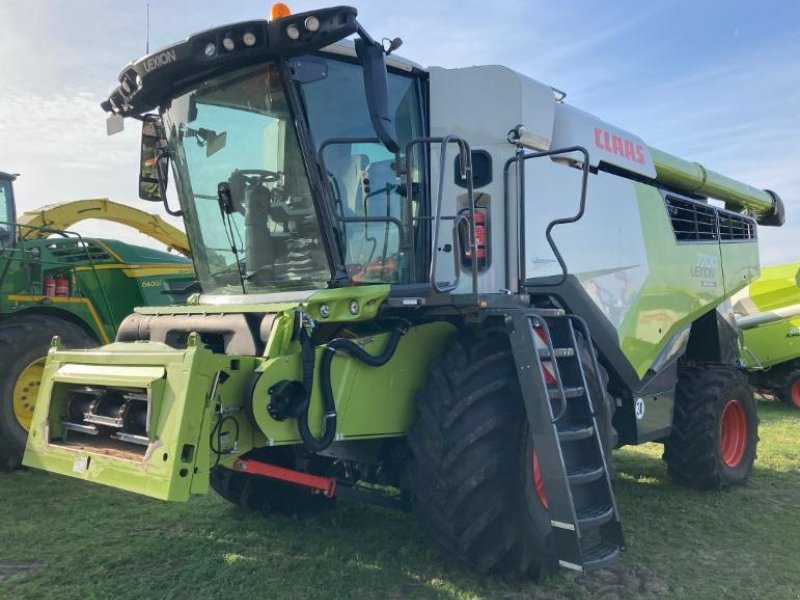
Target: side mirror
<point x="376" y="88"/>
<point x="154" y="162"/>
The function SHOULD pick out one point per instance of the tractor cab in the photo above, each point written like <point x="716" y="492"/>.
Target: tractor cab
<point x="7" y="209"/>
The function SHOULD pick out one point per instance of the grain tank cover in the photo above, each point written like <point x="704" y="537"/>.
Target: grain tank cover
<point x="482" y="104"/>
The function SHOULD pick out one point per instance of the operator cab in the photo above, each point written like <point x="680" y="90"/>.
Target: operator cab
<point x="287" y="153"/>
<point x="7" y="210"/>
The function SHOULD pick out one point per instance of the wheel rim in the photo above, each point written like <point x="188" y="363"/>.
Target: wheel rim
<point x="538" y="481"/>
<point x="25" y="391"/>
<point x="795" y="393"/>
<point x="733" y="433"/>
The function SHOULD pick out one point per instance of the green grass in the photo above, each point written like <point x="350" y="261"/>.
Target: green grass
<point x="61" y="538"/>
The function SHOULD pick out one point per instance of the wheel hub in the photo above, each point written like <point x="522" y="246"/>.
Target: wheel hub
<point x="733" y="434"/>
<point x="25" y="391"/>
<point x="795" y="393"/>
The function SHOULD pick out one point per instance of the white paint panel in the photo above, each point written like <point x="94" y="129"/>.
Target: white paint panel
<point x="605" y="249"/>
<point x="605" y="143"/>
<point x="482" y="104"/>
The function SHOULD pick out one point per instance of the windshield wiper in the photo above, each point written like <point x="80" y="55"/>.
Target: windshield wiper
<point x="226" y="208"/>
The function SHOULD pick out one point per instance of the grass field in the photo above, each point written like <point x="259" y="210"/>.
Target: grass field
<point x="61" y="538"/>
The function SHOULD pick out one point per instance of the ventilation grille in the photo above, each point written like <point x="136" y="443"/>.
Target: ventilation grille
<point x="699" y="222"/>
<point x="73" y="251"/>
<point x="733" y="226"/>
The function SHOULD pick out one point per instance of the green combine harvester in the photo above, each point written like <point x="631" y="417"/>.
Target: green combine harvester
<point x="54" y="282"/>
<point x="768" y="312"/>
<point x="444" y="290"/>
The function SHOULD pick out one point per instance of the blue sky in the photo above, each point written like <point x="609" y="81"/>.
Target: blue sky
<point x="717" y="81"/>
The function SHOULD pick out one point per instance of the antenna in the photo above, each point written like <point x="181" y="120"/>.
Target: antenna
<point x="147" y="29"/>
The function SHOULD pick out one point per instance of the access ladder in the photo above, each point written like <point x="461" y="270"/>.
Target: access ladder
<point x="563" y="390"/>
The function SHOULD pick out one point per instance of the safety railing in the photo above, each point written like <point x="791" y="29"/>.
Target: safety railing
<point x="465" y="172"/>
<point x="519" y="162"/>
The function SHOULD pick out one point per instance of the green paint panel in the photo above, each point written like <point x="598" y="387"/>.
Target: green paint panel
<point x="178" y="384"/>
<point x="107" y="279"/>
<point x="685" y="280"/>
<point x="774" y="337"/>
<point x="777" y="287"/>
<point x="370" y="401"/>
<point x="772" y="343"/>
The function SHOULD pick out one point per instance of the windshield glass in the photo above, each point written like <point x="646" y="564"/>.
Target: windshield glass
<point x="6" y="213"/>
<point x="261" y="234"/>
<point x="362" y="174"/>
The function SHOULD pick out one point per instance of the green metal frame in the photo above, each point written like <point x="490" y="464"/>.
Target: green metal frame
<point x="187" y="398"/>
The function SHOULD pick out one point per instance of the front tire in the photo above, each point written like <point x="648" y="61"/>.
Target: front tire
<point x="473" y="475"/>
<point x="24" y="343"/>
<point x="715" y="428"/>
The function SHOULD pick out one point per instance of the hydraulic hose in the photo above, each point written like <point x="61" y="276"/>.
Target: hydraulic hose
<point x="349" y="347"/>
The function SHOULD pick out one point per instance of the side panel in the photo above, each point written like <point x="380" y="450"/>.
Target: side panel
<point x="772" y="343"/>
<point x="370" y="401"/>
<point x="740" y="264"/>
<point x="777" y="287"/>
<point x="624" y="253"/>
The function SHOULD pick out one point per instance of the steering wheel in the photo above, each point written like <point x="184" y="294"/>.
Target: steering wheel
<point x="260" y="175"/>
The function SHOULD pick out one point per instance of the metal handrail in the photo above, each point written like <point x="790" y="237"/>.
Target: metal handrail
<point x="518" y="160"/>
<point x="365" y="219"/>
<point x="69" y="235"/>
<point x="465" y="165"/>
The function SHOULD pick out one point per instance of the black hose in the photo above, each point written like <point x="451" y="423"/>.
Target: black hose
<point x="311" y="442"/>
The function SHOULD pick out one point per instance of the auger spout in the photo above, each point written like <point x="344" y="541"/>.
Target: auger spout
<point x="691" y="177"/>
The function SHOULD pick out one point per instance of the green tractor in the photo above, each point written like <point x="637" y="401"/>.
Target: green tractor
<point x="53" y="282"/>
<point x="768" y="313"/>
<point x="444" y="290"/>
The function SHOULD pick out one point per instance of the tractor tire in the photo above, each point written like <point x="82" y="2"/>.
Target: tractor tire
<point x="265" y="495"/>
<point x="474" y="477"/>
<point x="791" y="390"/>
<point x="715" y="428"/>
<point x="24" y="343"/>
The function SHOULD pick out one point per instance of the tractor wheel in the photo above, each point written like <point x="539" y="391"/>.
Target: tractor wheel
<point x="474" y="475"/>
<point x="24" y="343"/>
<point x="265" y="495"/>
<point x="791" y="390"/>
<point x="715" y="428"/>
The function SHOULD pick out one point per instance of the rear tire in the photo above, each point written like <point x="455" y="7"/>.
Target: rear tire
<point x="715" y="428"/>
<point x="24" y="341"/>
<point x="791" y="390"/>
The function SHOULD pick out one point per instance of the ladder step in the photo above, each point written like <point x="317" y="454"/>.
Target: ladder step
<point x="599" y="556"/>
<point x="544" y="353"/>
<point x="586" y="529"/>
<point x="549" y="312"/>
<point x="595" y="516"/>
<point x="575" y="432"/>
<point x="584" y="474"/>
<point x="569" y="392"/>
